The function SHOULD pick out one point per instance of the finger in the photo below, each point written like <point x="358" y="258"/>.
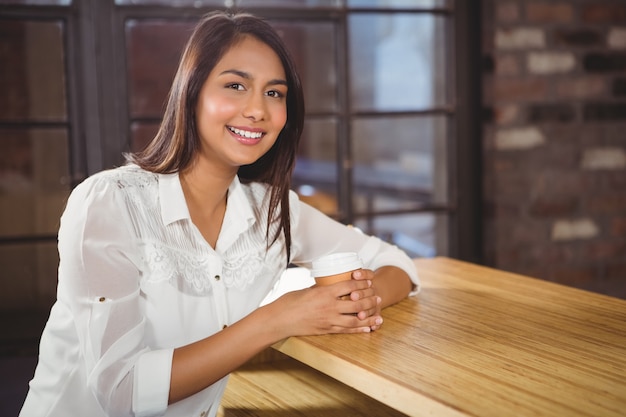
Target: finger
<point x="361" y="274"/>
<point x="378" y="321"/>
<point x="370" y="304"/>
<point x="360" y="294"/>
<point x="364" y="329"/>
<point x="352" y="324"/>
<point x="363" y="314"/>
<point x="347" y="287"/>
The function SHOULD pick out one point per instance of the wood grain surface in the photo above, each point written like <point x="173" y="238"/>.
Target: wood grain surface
<point x="482" y="342"/>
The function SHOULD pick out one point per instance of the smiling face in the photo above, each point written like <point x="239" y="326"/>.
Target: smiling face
<point x="242" y="106"/>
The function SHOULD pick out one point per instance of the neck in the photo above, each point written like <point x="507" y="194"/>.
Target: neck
<point x="205" y="188"/>
<point x="206" y="197"/>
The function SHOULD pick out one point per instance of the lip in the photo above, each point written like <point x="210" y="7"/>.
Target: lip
<point x="244" y="140"/>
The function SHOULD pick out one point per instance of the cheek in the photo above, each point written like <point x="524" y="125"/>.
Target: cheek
<point x="280" y="116"/>
<point x="218" y="109"/>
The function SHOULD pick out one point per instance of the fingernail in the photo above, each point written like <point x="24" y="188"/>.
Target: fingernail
<point x="357" y="274"/>
<point x="379" y="321"/>
<point x="369" y="283"/>
<point x="379" y="300"/>
<point x="366" y="330"/>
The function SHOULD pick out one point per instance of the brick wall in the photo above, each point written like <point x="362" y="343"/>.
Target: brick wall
<point x="554" y="143"/>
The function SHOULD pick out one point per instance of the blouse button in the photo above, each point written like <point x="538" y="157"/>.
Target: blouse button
<point x="217" y="277"/>
<point x="102" y="299"/>
<point x="224" y="326"/>
<point x="202" y="414"/>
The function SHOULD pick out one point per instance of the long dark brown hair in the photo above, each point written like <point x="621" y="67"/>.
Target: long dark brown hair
<point x="177" y="142"/>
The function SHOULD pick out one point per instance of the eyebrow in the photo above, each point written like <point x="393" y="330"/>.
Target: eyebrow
<point x="247" y="76"/>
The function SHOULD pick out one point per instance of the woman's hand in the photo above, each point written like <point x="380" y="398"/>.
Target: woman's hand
<point x="321" y="309"/>
<point x="367" y="274"/>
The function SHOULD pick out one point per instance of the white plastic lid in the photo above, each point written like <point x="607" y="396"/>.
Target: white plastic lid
<point x="335" y="263"/>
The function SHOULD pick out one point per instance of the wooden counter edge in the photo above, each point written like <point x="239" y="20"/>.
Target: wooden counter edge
<point x="388" y="392"/>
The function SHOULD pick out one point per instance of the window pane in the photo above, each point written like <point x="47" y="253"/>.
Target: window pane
<point x="397" y="61"/>
<point x="38" y="2"/>
<point x="33" y="79"/>
<point x="405" y="4"/>
<point x="29" y="276"/>
<point x="289" y="3"/>
<point x="419" y="234"/>
<point x="315" y="175"/>
<point x="173" y="3"/>
<point x="153" y="51"/>
<point x="312" y="46"/>
<point x="34" y="180"/>
<point x="402" y="157"/>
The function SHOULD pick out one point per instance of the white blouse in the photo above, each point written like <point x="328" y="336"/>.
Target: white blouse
<point x="137" y="279"/>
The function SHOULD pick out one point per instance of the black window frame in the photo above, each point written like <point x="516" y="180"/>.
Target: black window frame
<point x="99" y="115"/>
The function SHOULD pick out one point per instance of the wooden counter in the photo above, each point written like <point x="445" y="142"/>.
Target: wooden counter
<point x="481" y="342"/>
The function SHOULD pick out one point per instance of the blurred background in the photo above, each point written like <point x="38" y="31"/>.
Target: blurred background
<point x="489" y="131"/>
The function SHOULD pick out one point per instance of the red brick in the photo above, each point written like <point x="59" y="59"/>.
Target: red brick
<point x="581" y="87"/>
<point x="579" y="37"/>
<point x="507" y="64"/>
<point x="619" y="87"/>
<point x="604" y="250"/>
<point x="534" y="271"/>
<point x="616" y="270"/>
<point x="605" y="111"/>
<point x="553" y="206"/>
<point x="505" y="257"/>
<point x="506" y="114"/>
<point x="507" y="11"/>
<point x="512" y="185"/>
<point x="501" y="210"/>
<point x="610" y="203"/>
<point x="560" y="12"/>
<point x="517" y="89"/>
<point x="618" y="226"/>
<point x="551" y="112"/>
<point x="614" y="134"/>
<point x="616" y="180"/>
<point x="504" y="163"/>
<point x="555" y="157"/>
<point x="568" y="183"/>
<point x="546" y="254"/>
<point x="521" y="233"/>
<point x="575" y="275"/>
<point x="603" y="12"/>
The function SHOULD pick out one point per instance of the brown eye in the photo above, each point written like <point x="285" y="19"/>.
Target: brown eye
<point x="275" y="94"/>
<point x="235" y="86"/>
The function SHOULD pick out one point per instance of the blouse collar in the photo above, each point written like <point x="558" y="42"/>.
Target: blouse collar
<point x="172" y="199"/>
<point x="239" y="213"/>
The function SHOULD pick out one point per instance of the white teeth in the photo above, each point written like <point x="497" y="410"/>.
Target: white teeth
<point x="245" y="133"/>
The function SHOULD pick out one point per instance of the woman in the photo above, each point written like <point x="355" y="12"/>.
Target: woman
<point x="164" y="262"/>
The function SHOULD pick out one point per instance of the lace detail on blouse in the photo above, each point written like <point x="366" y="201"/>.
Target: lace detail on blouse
<point x="176" y="253"/>
<point x="183" y="270"/>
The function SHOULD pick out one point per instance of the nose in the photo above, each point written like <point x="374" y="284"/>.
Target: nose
<point x="254" y="108"/>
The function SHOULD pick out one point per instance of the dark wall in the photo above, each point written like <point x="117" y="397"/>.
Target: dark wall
<point x="554" y="141"/>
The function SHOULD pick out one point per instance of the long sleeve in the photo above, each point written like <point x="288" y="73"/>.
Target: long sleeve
<point x="315" y="234"/>
<point x="99" y="274"/>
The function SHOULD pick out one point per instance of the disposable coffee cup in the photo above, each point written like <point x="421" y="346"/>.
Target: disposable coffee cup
<point x="335" y="267"/>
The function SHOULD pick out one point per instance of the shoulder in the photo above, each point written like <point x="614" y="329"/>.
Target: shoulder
<point x="121" y="178"/>
<point x="111" y="186"/>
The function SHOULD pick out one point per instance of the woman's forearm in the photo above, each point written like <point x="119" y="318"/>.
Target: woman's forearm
<point x="392" y="284"/>
<point x="200" y="364"/>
